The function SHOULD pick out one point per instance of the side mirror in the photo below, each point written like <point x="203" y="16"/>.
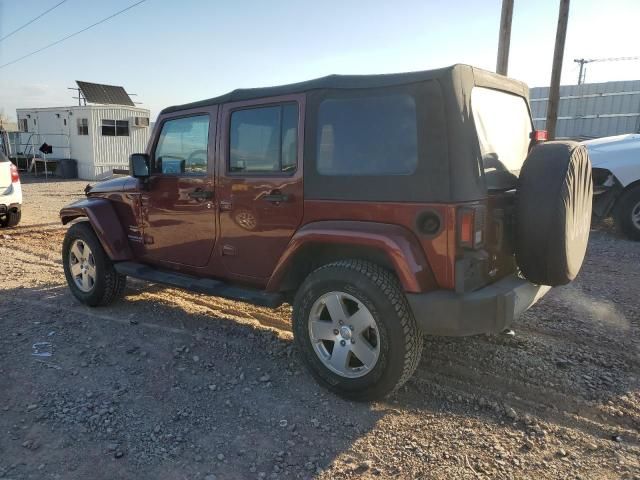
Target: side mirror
<point x="139" y="165"/>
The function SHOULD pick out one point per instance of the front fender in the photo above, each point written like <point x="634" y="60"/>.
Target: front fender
<point x="625" y="166"/>
<point x="105" y="223"/>
<point x="396" y="242"/>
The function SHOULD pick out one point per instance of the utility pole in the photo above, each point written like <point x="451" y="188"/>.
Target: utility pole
<point x="581" y="74"/>
<point x="504" y="38"/>
<point x="556" y="70"/>
<point x="583" y="62"/>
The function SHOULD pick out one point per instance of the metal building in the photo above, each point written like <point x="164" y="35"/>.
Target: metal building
<point x="99" y="137"/>
<point x="591" y="110"/>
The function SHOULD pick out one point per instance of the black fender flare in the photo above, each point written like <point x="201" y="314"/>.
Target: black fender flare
<point x="104" y="221"/>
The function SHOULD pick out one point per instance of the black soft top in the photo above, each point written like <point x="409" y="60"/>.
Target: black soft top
<point x="464" y="73"/>
<point x="449" y="158"/>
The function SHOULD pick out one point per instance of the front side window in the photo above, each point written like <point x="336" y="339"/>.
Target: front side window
<point x="22" y="124"/>
<point x="503" y="125"/>
<point x="264" y="139"/>
<point x="83" y="126"/>
<point x="183" y="146"/>
<point x="115" y="128"/>
<point x="367" y="135"/>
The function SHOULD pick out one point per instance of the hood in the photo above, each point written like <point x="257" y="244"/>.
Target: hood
<point x="613" y="149"/>
<point x="119" y="184"/>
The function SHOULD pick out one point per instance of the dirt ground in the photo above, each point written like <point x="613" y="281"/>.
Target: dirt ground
<point x="172" y="385"/>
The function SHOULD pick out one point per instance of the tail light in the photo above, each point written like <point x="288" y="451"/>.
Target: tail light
<point x="471" y="221"/>
<point x="537" y="136"/>
<point x="15" y="178"/>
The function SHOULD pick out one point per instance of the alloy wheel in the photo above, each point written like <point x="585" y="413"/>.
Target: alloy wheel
<point x="82" y="265"/>
<point x="344" y="334"/>
<point x="635" y="215"/>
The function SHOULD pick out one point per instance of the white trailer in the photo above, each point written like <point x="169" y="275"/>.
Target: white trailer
<point x="99" y="137"/>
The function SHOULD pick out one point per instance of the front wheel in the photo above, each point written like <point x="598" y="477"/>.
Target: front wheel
<point x="353" y="326"/>
<point x="628" y="214"/>
<point x="89" y="271"/>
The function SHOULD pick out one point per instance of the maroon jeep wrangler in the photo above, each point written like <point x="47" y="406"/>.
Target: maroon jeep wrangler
<point x="382" y="207"/>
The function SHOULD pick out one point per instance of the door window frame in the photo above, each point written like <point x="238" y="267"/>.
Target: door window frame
<point x="225" y="138"/>
<point x="212" y="113"/>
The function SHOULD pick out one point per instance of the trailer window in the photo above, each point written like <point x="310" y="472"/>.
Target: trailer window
<point x="115" y="128"/>
<point x="504" y="126"/>
<point x="83" y="126"/>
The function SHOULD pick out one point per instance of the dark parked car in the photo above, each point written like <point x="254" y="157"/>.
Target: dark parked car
<point x="381" y="206"/>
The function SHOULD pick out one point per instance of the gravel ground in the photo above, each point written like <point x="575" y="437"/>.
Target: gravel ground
<point x="169" y="385"/>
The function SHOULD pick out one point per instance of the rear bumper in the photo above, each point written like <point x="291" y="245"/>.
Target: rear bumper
<point x="488" y="310"/>
<point x="11" y="197"/>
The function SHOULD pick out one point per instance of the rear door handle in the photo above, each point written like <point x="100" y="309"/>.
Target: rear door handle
<point x="276" y="197"/>
<point x="201" y="194"/>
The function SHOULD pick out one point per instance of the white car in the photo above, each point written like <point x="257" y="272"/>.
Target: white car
<point x="10" y="193"/>
<point x="616" y="180"/>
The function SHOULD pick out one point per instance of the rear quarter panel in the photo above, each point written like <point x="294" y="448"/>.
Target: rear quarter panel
<point x="439" y="249"/>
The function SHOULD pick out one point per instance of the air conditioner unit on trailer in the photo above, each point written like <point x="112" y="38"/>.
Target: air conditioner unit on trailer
<point x="140" y="121"/>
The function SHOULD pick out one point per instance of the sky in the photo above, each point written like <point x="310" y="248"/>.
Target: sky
<point x="170" y="52"/>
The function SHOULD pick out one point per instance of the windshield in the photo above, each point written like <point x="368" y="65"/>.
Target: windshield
<point x="504" y="127"/>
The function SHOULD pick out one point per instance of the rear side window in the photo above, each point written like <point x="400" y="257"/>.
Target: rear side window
<point x="183" y="146"/>
<point x="504" y="127"/>
<point x="264" y="139"/>
<point x="367" y="135"/>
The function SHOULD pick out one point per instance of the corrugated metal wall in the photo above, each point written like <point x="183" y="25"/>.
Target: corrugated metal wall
<point x="591" y="110"/>
<point x="114" y="152"/>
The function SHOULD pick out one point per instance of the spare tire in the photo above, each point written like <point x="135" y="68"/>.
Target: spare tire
<point x="553" y="212"/>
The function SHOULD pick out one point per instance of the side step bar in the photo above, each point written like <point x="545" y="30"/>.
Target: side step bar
<point x="201" y="285"/>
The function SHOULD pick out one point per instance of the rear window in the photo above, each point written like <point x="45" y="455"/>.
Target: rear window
<point x="367" y="135"/>
<point x="504" y="126"/>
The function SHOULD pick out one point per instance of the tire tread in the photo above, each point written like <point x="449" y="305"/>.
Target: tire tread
<point x="114" y="282"/>
<point x="388" y="284"/>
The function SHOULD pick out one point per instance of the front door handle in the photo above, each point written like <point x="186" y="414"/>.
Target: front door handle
<point x="201" y="194"/>
<point x="276" y="196"/>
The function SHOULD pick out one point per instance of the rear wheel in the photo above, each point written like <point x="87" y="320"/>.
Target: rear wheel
<point x="355" y="331"/>
<point x="11" y="219"/>
<point x="628" y="214"/>
<point x="89" y="271"/>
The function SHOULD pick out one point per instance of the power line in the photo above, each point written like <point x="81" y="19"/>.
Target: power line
<point x="583" y="62"/>
<point x="32" y="20"/>
<point x="73" y="34"/>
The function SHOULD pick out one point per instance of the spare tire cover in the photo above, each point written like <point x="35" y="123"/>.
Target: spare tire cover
<point x="553" y="212"/>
